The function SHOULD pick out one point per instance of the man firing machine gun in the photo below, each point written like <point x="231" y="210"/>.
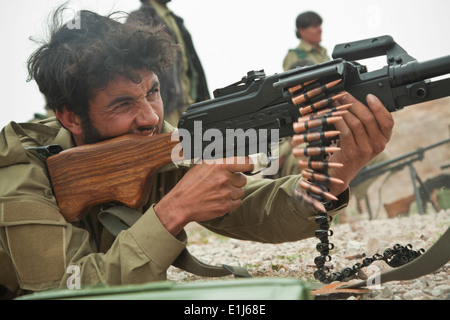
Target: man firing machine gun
<point x="293" y="103"/>
<point x="49" y="215"/>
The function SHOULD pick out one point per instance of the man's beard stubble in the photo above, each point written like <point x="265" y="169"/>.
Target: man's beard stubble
<point x="90" y="133"/>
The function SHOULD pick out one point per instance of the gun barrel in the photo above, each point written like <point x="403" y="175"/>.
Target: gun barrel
<point x="416" y="71"/>
<point x="380" y="168"/>
<point x="434" y="68"/>
<point x="409" y="154"/>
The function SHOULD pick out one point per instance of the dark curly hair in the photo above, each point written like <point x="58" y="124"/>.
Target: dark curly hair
<point x="83" y="55"/>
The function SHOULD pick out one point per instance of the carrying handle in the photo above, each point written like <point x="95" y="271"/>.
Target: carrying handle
<point x="371" y="48"/>
<point x="363" y="49"/>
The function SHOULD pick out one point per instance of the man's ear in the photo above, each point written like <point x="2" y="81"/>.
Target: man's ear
<point x="70" y="121"/>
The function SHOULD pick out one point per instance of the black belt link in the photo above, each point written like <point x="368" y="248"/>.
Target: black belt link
<point x="396" y="257"/>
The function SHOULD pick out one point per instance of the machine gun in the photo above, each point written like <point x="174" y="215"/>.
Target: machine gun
<point x="268" y="102"/>
<point x="119" y="169"/>
<point x="421" y="192"/>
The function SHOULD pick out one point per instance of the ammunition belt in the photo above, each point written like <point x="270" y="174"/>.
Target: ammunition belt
<point x="315" y="192"/>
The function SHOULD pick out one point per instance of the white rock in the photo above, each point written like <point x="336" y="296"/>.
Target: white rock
<point x="386" y="292"/>
<point x="440" y="290"/>
<point x="412" y="294"/>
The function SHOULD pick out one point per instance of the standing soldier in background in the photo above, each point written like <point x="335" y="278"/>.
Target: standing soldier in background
<point x="309" y="52"/>
<point x="309" y="31"/>
<point x="185" y="82"/>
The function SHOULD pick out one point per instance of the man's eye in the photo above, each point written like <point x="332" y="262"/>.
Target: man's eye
<point x="152" y="92"/>
<point x="123" y="105"/>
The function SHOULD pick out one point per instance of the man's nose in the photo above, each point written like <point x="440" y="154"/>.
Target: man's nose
<point x="146" y="115"/>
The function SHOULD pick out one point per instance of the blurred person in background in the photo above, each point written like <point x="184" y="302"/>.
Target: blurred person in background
<point x="309" y="31"/>
<point x="185" y="82"/>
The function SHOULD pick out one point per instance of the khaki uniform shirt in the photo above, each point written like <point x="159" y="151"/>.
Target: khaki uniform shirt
<point x="310" y="53"/>
<point x="38" y="248"/>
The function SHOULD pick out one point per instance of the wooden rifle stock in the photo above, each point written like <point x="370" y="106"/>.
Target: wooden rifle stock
<point x="119" y="169"/>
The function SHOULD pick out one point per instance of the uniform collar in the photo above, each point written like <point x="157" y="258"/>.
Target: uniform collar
<point x="306" y="47"/>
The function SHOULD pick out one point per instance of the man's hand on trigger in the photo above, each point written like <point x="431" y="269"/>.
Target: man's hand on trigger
<point x="207" y="191"/>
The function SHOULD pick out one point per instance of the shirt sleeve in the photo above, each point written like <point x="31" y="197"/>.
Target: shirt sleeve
<point x="289" y="59"/>
<point x="140" y="254"/>
<point x="43" y="247"/>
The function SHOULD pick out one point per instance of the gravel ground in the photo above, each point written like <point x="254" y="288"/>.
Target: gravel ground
<point x="354" y="237"/>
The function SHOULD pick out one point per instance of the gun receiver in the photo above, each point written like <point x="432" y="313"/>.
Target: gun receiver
<point x="119" y="169"/>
